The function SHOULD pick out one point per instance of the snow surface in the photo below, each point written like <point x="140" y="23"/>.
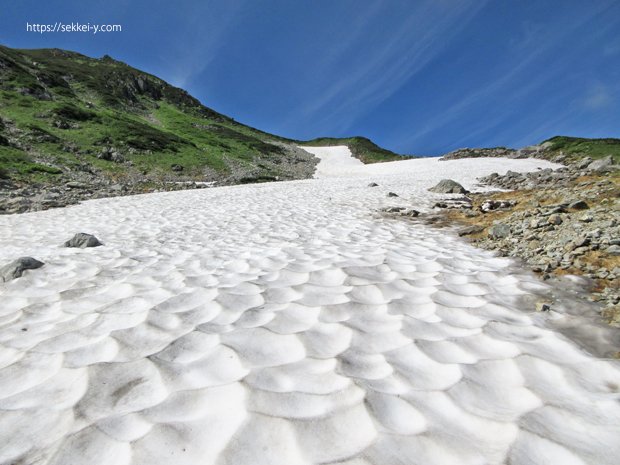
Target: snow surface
<point x="335" y="161"/>
<point x="288" y="323"/>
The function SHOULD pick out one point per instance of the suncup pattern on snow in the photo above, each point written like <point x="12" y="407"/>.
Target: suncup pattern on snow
<point x="287" y="324"/>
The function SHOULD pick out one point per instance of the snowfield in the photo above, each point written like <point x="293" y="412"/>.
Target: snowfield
<point x="287" y="324"/>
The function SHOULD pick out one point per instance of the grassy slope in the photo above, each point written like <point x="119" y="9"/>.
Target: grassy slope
<point x="577" y="147"/>
<point x="59" y="110"/>
<point x="105" y="103"/>
<point x="361" y="148"/>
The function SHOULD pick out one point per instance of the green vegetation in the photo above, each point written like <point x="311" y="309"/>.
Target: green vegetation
<point x="22" y="165"/>
<point x="577" y="147"/>
<point x="361" y="148"/>
<point x="62" y="113"/>
<point x="74" y="113"/>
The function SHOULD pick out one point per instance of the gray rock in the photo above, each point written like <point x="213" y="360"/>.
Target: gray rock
<point x="394" y="209"/>
<point x="613" y="250"/>
<point x="16" y="268"/>
<point x="468" y="230"/>
<point x="603" y="164"/>
<point x="490" y="205"/>
<point x="481" y="152"/>
<point x="448" y="186"/>
<point x="110" y="154"/>
<point x="555" y="219"/>
<point x="499" y="231"/>
<point x="176" y="168"/>
<point x="373" y="184"/>
<point x="583" y="163"/>
<point x="117" y="157"/>
<point x="536" y="223"/>
<point x="83" y="240"/>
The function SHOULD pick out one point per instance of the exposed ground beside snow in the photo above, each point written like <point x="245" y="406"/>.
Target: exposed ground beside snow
<point x="288" y="323"/>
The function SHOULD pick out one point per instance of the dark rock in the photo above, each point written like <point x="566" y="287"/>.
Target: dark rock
<point x="83" y="240"/>
<point x="578" y="205"/>
<point x="62" y="124"/>
<point x="543" y="307"/>
<point x="448" y="186"/>
<point x="76" y="185"/>
<point x="392" y="194"/>
<point x="16" y="268"/>
<point x="373" y="184"/>
<point x="556" y="209"/>
<point x="176" y="168"/>
<point x="412" y="213"/>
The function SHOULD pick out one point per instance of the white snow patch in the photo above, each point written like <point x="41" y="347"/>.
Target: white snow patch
<point x="288" y="323"/>
<point x="335" y="161"/>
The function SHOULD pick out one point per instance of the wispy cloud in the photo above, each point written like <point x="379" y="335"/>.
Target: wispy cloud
<point x="198" y="37"/>
<point x="598" y="96"/>
<point x="385" y="62"/>
<point x="515" y="83"/>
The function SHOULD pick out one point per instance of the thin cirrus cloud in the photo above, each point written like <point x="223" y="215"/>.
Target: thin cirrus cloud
<point x="197" y="31"/>
<point x="598" y="96"/>
<point x="535" y="66"/>
<point x="382" y="62"/>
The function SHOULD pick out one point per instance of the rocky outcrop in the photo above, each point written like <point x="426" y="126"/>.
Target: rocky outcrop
<point x="480" y="152"/>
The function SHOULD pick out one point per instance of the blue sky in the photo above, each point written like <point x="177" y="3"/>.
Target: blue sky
<point x="421" y="77"/>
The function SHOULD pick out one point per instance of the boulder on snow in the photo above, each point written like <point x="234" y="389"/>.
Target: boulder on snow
<point x="448" y="186"/>
<point x="16" y="268"/>
<point x="83" y="240"/>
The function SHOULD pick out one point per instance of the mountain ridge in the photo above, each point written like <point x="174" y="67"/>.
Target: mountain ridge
<point x="65" y="116"/>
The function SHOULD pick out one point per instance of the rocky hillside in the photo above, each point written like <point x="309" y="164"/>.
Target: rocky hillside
<point x="105" y="126"/>
<point x="480" y="152"/>
<point x="561" y="149"/>
<point x="559" y="222"/>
